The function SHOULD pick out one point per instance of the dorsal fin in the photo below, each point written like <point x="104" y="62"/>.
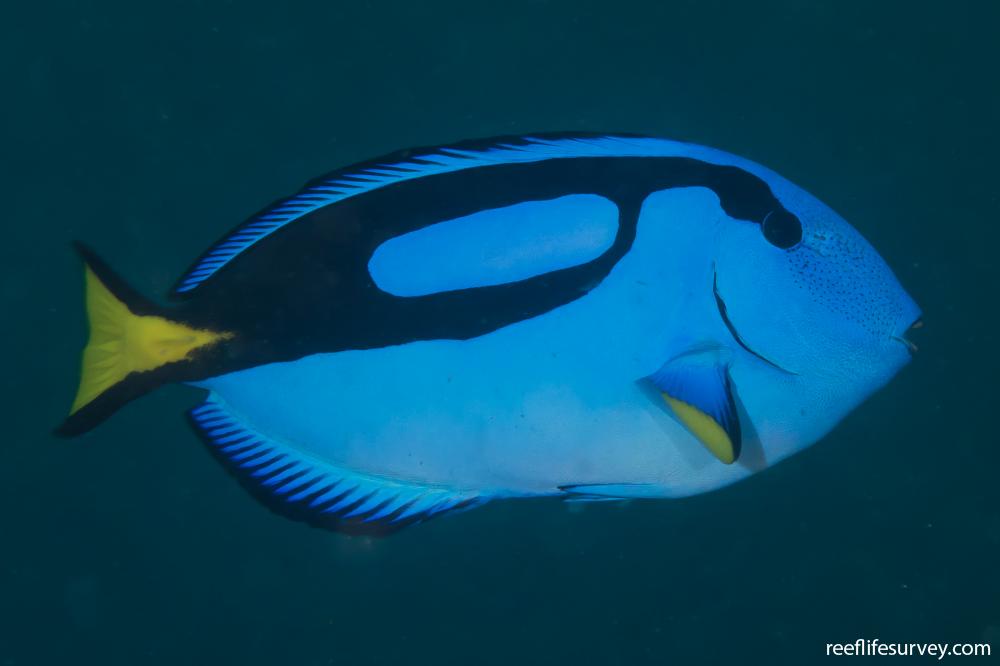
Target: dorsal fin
<point x="418" y="163"/>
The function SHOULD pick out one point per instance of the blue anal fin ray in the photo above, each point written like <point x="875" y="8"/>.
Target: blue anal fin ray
<point x="608" y="492"/>
<point x="304" y="488"/>
<point x="698" y="389"/>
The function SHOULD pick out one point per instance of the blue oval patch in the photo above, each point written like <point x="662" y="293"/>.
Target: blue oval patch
<point x="496" y="246"/>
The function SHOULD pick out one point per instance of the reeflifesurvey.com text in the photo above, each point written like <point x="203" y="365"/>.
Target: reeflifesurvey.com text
<point x="870" y="647"/>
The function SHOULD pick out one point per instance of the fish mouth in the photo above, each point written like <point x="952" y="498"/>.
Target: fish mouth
<point x="723" y="312"/>
<point x="905" y="341"/>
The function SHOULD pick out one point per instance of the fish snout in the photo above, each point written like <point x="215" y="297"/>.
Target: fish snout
<point x="903" y="338"/>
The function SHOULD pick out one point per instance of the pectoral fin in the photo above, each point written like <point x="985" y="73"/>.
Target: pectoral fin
<point x="698" y="390"/>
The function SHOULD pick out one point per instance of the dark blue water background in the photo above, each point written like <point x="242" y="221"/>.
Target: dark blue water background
<point x="148" y="129"/>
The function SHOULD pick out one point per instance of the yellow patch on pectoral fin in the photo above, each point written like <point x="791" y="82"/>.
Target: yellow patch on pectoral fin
<point x="122" y="342"/>
<point x="705" y="428"/>
<point x="697" y="388"/>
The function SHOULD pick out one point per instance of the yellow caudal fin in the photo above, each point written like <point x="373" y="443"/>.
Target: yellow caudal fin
<point x="123" y="343"/>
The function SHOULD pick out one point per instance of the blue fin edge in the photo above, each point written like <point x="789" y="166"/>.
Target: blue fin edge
<point x="306" y="489"/>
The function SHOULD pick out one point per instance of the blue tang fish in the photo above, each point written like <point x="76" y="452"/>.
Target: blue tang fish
<point x="584" y="316"/>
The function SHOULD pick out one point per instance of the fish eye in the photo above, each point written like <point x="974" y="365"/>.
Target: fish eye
<point x="782" y="229"/>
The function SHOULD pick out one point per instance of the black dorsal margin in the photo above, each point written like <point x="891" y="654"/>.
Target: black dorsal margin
<point x="392" y="162"/>
<point x="286" y="300"/>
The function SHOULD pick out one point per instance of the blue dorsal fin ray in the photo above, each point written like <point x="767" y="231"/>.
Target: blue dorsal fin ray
<point x="418" y="163"/>
<point x="302" y="487"/>
<point x="697" y="387"/>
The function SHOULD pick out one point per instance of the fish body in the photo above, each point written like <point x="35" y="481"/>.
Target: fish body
<point x="591" y="317"/>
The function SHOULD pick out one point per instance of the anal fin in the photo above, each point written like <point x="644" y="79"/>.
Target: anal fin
<point x="609" y="492"/>
<point x="305" y="488"/>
